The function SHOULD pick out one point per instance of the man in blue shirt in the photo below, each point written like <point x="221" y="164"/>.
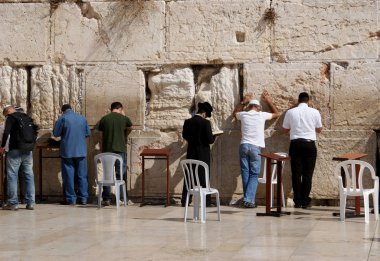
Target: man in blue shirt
<point x="73" y="130"/>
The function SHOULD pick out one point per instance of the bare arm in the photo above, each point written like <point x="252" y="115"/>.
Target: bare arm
<point x="238" y="108"/>
<point x="268" y="99"/>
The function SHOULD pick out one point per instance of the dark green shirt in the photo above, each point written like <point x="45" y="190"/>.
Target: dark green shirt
<point x="114" y="126"/>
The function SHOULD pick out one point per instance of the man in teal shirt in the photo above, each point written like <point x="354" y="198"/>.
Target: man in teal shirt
<point x="114" y="126"/>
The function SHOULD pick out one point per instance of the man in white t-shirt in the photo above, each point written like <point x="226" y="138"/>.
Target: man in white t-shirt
<point x="252" y="140"/>
<point x="302" y="122"/>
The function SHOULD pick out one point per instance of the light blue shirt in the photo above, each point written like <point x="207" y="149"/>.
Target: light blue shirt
<point x="73" y="130"/>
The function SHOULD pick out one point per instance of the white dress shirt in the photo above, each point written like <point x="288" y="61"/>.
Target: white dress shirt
<point x="302" y="122"/>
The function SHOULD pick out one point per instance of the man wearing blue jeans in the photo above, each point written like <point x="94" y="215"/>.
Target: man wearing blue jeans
<point x="252" y="129"/>
<point x="73" y="130"/>
<point x="19" y="158"/>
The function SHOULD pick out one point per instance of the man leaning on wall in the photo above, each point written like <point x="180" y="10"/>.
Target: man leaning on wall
<point x="252" y="141"/>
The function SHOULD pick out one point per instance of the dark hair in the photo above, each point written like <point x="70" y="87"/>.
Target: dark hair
<point x="303" y="97"/>
<point x="65" y="107"/>
<point x="116" y="105"/>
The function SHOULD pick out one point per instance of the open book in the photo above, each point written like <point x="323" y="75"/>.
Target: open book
<point x="217" y="132"/>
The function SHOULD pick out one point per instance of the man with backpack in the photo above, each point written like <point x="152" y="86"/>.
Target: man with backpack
<point x="19" y="156"/>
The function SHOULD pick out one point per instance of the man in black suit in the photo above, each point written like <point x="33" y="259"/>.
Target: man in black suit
<point x="197" y="132"/>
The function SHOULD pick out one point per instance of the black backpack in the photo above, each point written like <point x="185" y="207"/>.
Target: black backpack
<point x="26" y="133"/>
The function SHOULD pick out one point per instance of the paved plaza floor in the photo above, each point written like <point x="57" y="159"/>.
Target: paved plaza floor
<point x="152" y="233"/>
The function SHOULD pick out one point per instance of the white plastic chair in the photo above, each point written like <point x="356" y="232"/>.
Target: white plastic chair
<point x="350" y="188"/>
<point x="263" y="179"/>
<point x="108" y="160"/>
<point x="191" y="178"/>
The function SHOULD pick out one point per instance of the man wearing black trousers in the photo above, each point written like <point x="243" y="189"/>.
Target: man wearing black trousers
<point x="302" y="122"/>
<point x="198" y="134"/>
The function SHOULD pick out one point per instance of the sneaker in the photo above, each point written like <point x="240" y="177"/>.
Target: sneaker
<point x="29" y="207"/>
<point x="83" y="203"/>
<point x="106" y="202"/>
<point x="10" y="207"/>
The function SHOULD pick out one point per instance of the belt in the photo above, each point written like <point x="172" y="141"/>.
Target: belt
<point x="304" y="140"/>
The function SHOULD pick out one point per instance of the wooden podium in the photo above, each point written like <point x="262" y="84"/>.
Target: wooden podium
<point x="279" y="159"/>
<point x="159" y="154"/>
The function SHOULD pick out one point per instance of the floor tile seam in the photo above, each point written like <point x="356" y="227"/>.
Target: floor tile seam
<point x="373" y="238"/>
<point x="304" y="240"/>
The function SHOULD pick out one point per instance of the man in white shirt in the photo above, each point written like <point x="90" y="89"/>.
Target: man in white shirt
<point x="303" y="123"/>
<point x="252" y="140"/>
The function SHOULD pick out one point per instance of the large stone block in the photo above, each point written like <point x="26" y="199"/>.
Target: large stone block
<point x="109" y="31"/>
<point x="24" y="33"/>
<point x="356" y="95"/>
<point x="215" y="31"/>
<point x="108" y="83"/>
<point x="220" y="87"/>
<point x="13" y="86"/>
<point x="172" y="94"/>
<point x="53" y="86"/>
<point x="285" y="81"/>
<point x="335" y="143"/>
<point x="155" y="170"/>
<point x="325" y="30"/>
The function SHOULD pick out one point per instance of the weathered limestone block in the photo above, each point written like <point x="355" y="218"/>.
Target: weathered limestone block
<point x="335" y="143"/>
<point x="201" y="31"/>
<point x="109" y="31"/>
<point x="13" y="86"/>
<point x="220" y="87"/>
<point x="109" y="83"/>
<point x="172" y="94"/>
<point x="356" y="95"/>
<point x="225" y="168"/>
<point x="53" y="86"/>
<point x="24" y="32"/>
<point x="325" y="30"/>
<point x="285" y="81"/>
<point x="155" y="170"/>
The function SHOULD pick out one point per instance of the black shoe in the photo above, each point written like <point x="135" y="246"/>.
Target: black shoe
<point x="297" y="206"/>
<point x="10" y="207"/>
<point x="210" y="205"/>
<point x="306" y="206"/>
<point x="67" y="203"/>
<point x="29" y="207"/>
<point x="249" y="205"/>
<point x="83" y="203"/>
<point x="106" y="202"/>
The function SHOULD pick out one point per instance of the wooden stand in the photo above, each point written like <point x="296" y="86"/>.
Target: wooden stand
<point x="158" y="154"/>
<point x="352" y="156"/>
<point x="279" y="160"/>
<point x="41" y="147"/>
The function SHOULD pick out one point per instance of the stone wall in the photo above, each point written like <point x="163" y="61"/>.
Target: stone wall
<point x="160" y="58"/>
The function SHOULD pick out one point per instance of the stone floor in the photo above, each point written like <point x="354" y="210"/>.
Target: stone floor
<point x="55" y="232"/>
